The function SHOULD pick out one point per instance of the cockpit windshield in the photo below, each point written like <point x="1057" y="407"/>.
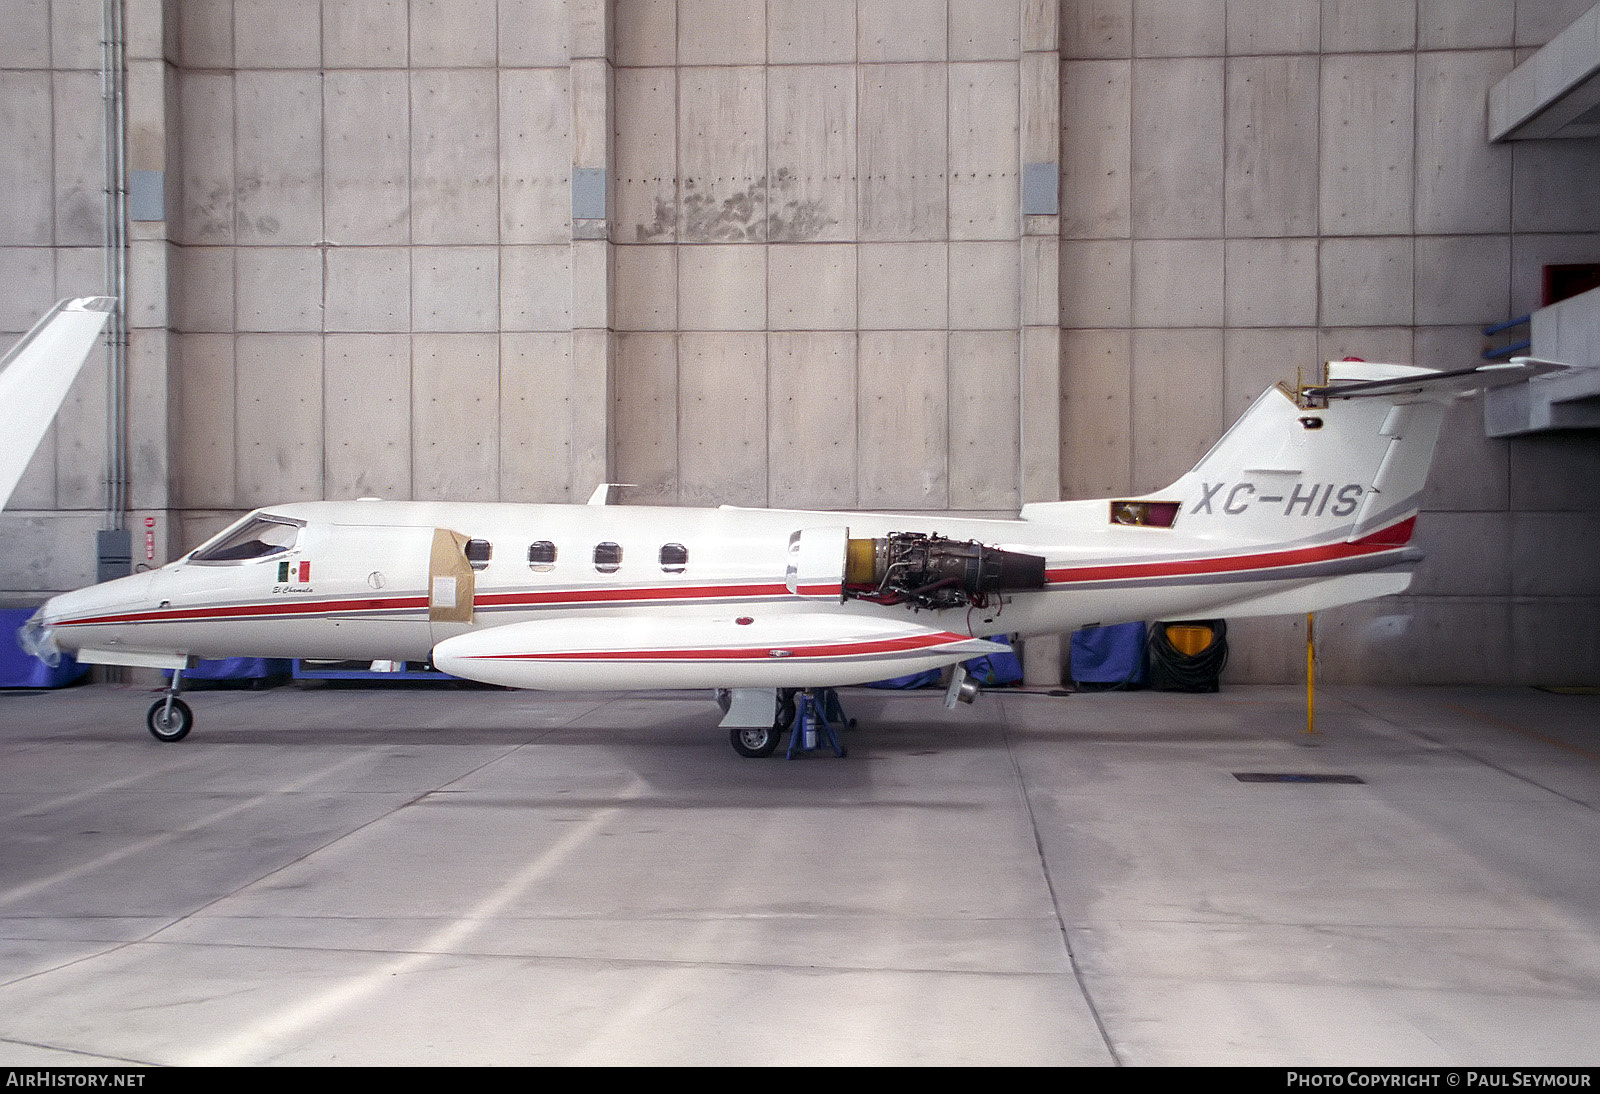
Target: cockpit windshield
<point x="255" y="537"/>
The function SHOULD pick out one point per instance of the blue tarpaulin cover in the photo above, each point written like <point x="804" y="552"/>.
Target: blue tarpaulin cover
<point x="236" y="668"/>
<point x="1109" y="655"/>
<point x="19" y="669"/>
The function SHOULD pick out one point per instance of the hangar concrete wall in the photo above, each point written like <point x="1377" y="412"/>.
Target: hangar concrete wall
<point x="811" y="282"/>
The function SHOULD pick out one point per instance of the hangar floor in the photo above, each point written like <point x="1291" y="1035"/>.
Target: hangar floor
<point x="323" y="875"/>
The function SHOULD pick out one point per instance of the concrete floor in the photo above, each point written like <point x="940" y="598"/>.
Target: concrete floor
<point x="450" y="876"/>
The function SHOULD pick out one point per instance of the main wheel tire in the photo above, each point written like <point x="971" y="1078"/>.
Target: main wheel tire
<point x="755" y="742"/>
<point x="169" y="727"/>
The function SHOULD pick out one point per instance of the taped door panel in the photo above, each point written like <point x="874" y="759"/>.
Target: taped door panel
<point x="450" y="579"/>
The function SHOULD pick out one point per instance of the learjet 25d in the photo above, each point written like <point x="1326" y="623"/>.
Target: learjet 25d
<point x="1306" y="503"/>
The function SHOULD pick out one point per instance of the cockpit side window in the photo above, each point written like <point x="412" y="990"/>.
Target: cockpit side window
<point x="257" y="537"/>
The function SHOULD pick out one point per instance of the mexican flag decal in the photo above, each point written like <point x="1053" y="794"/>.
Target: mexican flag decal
<point x="294" y="571"/>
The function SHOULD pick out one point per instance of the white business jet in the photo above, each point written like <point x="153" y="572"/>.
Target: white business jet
<point x="1307" y="503"/>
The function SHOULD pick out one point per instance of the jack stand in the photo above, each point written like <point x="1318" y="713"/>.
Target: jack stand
<point x="812" y="724"/>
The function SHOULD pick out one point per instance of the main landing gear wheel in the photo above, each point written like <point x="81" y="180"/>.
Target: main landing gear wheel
<point x="755" y="742"/>
<point x="169" y="724"/>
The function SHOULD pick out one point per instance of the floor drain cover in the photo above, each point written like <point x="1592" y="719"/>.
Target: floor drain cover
<point x="1293" y="777"/>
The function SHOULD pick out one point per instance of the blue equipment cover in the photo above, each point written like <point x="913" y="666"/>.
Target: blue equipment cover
<point x="235" y="668"/>
<point x="915" y="680"/>
<point x="19" y="669"/>
<point x="1109" y="655"/>
<point x="996" y="669"/>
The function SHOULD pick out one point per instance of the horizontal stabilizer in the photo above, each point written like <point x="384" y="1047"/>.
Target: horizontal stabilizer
<point x="35" y="377"/>
<point x="1350" y="383"/>
<point x="671" y="650"/>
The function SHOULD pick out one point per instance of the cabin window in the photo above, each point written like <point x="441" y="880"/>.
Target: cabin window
<point x="607" y="557"/>
<point x="674" y="557"/>
<point x="479" y="552"/>
<point x="542" y="555"/>
<point x="256" y="537"/>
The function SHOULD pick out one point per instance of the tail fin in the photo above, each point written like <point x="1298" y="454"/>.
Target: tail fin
<point x="35" y="376"/>
<point x="1346" y="461"/>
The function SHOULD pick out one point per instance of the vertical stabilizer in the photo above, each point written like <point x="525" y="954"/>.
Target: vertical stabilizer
<point x="35" y="376"/>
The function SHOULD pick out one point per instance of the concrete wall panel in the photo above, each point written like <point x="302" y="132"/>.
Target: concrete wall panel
<point x="1462" y="279"/>
<point x="26" y="43"/>
<point x="1177" y="282"/>
<point x="27" y="215"/>
<point x="148" y="263"/>
<point x="205" y="33"/>
<point x="277" y="33"/>
<point x="80" y="168"/>
<point x="1552" y="554"/>
<point x="811" y="31"/>
<point x="1365" y="185"/>
<point x="1368" y="343"/>
<point x="367" y="153"/>
<point x="901" y="154"/>
<point x="535" y="33"/>
<point x="646" y="32"/>
<point x="1358" y="26"/>
<point x="1554" y="472"/>
<point x="278" y="418"/>
<point x="981" y="30"/>
<point x="985" y="286"/>
<point x="455" y="288"/>
<point x="984" y="419"/>
<point x="1096" y="149"/>
<point x="1464" y="24"/>
<point x="455" y="419"/>
<point x="722" y="287"/>
<point x="646" y="410"/>
<point x="454" y="136"/>
<point x="366" y="34"/>
<point x="647" y="287"/>
<point x="1540" y="21"/>
<point x="204" y="426"/>
<point x="207" y="137"/>
<point x="75" y="34"/>
<point x="904" y="286"/>
<point x="722" y="419"/>
<point x="1255" y="360"/>
<point x="902" y="30"/>
<point x="811" y="152"/>
<point x="36" y="489"/>
<point x="1556" y="185"/>
<point x="368" y="289"/>
<point x="812" y="286"/>
<point x="536" y="156"/>
<point x="1096" y="283"/>
<point x="1274" y="26"/>
<point x="278" y="157"/>
<point x="903" y="410"/>
<point x="811" y="435"/>
<point x="1176" y="157"/>
<point x="367" y="430"/>
<point x="1271" y="283"/>
<point x="278" y="289"/>
<point x="645" y="190"/>
<point x="1464" y="554"/>
<point x="453" y="33"/>
<point x="539" y="398"/>
<point x="1463" y="182"/>
<point x="1097" y="28"/>
<point x="46" y="552"/>
<point x="1177" y="402"/>
<point x="203" y="289"/>
<point x="1096" y="415"/>
<point x="150" y="411"/>
<point x="722" y="32"/>
<point x="80" y="438"/>
<point x="1271" y="141"/>
<point x="536" y="288"/>
<point x="985" y="177"/>
<point x="1367" y="282"/>
<point x="1179" y="28"/>
<point x="28" y="273"/>
<point x="722" y="154"/>
<point x="1547" y="649"/>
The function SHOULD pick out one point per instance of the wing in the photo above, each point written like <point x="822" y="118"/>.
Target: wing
<point x="35" y="376"/>
<point x="667" y="650"/>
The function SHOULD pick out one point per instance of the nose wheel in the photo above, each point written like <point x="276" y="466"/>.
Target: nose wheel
<point x="169" y="718"/>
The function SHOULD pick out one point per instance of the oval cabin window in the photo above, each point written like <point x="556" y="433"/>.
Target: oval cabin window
<point x="607" y="557"/>
<point x="478" y="552"/>
<point x="542" y="555"/>
<point x="674" y="557"/>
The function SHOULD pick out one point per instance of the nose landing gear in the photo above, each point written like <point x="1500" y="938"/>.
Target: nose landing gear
<point x="170" y="718"/>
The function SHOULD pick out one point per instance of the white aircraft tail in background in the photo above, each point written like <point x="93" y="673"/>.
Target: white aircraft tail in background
<point x="35" y="376"/>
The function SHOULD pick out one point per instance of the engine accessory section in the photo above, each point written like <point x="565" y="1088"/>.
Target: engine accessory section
<point x="934" y="572"/>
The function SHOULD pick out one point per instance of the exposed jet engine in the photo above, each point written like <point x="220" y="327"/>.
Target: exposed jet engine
<point x="930" y="571"/>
